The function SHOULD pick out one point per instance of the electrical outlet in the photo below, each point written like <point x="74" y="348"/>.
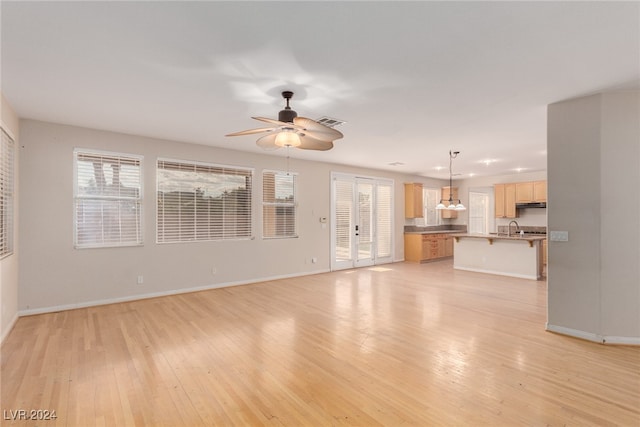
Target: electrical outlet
<point x="559" y="236"/>
<point x="214" y="271"/>
<point x="140" y="280"/>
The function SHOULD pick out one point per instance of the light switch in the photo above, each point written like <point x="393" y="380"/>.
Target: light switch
<point x="559" y="236"/>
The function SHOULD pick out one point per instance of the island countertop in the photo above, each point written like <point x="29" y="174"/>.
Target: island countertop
<point x="526" y="237"/>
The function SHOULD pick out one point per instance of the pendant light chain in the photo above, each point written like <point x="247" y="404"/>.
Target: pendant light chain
<point x="451" y="206"/>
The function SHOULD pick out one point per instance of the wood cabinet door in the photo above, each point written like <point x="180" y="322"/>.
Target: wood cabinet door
<point x="413" y="203"/>
<point x="498" y="191"/>
<point x="524" y="192"/>
<point x="510" y="200"/>
<point x="413" y="247"/>
<point x="448" y="246"/>
<point x="540" y="191"/>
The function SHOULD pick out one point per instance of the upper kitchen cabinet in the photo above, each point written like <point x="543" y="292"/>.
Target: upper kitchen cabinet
<point x="505" y="199"/>
<point x="449" y="192"/>
<point x="540" y="191"/>
<point x="413" y="203"/>
<point x="524" y="192"/>
<point x="529" y="192"/>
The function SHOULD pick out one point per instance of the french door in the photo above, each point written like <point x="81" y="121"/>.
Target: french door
<point x="362" y="221"/>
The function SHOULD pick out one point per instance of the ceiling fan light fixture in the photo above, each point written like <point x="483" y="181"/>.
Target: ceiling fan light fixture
<point x="293" y="131"/>
<point x="287" y="138"/>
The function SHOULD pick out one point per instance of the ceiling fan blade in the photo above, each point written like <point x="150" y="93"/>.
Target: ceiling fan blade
<point x="250" y="131"/>
<point x="317" y="130"/>
<point x="268" y="142"/>
<point x="277" y="122"/>
<point x="310" y="143"/>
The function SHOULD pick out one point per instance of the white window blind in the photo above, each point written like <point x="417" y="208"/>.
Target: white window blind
<point x="344" y="220"/>
<point x="108" y="199"/>
<point x="6" y="194"/>
<point x="383" y="220"/>
<point x="278" y="204"/>
<point x="431" y="197"/>
<point x="199" y="202"/>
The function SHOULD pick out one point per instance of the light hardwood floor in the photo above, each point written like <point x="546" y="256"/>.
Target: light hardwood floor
<point x="403" y="344"/>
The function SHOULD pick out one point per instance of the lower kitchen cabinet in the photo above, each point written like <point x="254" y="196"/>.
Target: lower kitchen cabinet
<point x="427" y="247"/>
<point x="448" y="245"/>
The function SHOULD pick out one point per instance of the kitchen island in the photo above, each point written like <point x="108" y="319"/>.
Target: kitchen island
<point x="513" y="256"/>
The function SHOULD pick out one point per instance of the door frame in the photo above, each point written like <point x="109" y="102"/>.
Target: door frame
<point x="353" y="262"/>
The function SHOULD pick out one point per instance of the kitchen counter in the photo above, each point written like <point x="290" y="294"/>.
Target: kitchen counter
<point x="491" y="237"/>
<point x="435" y="232"/>
<point x="513" y="256"/>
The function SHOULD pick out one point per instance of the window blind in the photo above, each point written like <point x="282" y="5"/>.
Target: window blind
<point x="344" y="220"/>
<point x="108" y="199"/>
<point x="199" y="202"/>
<point x="383" y="220"/>
<point x="6" y="194"/>
<point x="278" y="204"/>
<point x="431" y="197"/>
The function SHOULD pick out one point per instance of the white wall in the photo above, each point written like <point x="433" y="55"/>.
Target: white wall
<point x="593" y="192"/>
<point x="55" y="275"/>
<point x="9" y="265"/>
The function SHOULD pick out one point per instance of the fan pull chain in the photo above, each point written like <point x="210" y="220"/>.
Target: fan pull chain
<point x="288" y="146"/>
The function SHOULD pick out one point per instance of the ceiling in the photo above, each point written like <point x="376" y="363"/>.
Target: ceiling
<point x="412" y="80"/>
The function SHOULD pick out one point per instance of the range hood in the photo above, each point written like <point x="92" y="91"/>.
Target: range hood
<point x="531" y="205"/>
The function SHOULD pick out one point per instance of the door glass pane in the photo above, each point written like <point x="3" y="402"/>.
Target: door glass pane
<point x="365" y="220"/>
<point x="344" y="215"/>
<point x="478" y="212"/>
<point x="383" y="221"/>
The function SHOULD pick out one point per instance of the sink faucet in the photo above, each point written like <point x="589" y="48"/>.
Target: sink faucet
<point x="517" y="227"/>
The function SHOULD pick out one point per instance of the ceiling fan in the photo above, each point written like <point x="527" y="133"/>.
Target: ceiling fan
<point x="293" y="131"/>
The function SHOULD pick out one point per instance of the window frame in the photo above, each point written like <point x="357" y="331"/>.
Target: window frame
<point x="425" y="207"/>
<point x="139" y="200"/>
<point x="293" y="205"/>
<point x="195" y="164"/>
<point x="7" y="193"/>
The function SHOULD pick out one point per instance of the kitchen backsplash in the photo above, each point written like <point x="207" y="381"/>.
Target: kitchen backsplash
<point x="525" y="228"/>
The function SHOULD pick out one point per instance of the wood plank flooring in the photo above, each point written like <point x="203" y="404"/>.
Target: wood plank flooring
<point x="401" y="344"/>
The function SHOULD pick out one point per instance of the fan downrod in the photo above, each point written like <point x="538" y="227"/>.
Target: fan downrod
<point x="287" y="94"/>
<point x="287" y="115"/>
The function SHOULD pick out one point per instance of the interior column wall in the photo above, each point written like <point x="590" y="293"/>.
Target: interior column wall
<point x="593" y="278"/>
<point x="620" y="215"/>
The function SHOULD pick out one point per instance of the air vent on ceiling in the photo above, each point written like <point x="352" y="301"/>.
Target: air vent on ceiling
<point x="330" y="122"/>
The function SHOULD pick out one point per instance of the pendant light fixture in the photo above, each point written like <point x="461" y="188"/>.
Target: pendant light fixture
<point x="450" y="204"/>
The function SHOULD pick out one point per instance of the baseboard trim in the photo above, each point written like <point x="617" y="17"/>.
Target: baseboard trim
<point x="589" y="336"/>
<point x="95" y="303"/>
<point x="6" y="332"/>
<point x="499" y="273"/>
